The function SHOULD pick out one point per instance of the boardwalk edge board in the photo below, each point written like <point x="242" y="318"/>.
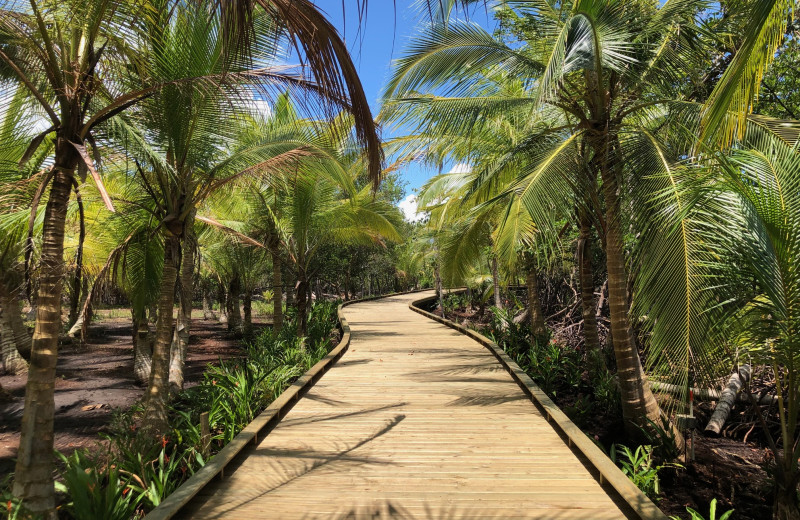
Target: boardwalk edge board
<point x="261" y="425"/>
<point x="608" y="472"/>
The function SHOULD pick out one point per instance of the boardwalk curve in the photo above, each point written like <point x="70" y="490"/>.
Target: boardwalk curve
<point x="414" y="421"/>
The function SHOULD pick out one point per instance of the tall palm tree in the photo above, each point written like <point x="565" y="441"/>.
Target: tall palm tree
<point x="601" y="67"/>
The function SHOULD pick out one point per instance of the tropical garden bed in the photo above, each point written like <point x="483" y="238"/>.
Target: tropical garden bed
<point x="129" y="474"/>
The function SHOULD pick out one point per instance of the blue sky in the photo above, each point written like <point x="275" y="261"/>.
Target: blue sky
<point x="373" y="43"/>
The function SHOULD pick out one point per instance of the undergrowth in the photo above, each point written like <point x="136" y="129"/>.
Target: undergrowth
<point x="138" y="472"/>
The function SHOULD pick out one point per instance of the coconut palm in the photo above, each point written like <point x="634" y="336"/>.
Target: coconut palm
<point x="741" y="211"/>
<point x="603" y="69"/>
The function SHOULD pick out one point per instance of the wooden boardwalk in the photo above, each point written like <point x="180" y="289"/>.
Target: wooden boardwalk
<point x="414" y="421"/>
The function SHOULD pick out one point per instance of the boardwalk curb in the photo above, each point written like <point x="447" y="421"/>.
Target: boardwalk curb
<point x="261" y="425"/>
<point x="607" y="471"/>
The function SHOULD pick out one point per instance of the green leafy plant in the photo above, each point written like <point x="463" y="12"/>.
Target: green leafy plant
<point x="95" y="494"/>
<point x="10" y="506"/>
<point x="638" y="466"/>
<point x="606" y="391"/>
<point x="712" y="513"/>
<point x="161" y="476"/>
<point x="662" y="438"/>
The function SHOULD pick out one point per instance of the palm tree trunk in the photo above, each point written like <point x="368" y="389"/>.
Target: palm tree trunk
<point x="498" y="301"/>
<point x="142" y="348"/>
<point x="277" y="291"/>
<point x="13" y="362"/>
<point x="586" y="278"/>
<point x="8" y="300"/>
<point x="291" y="287"/>
<point x="232" y="305"/>
<point x="222" y="298"/>
<point x="302" y="302"/>
<point x="180" y="343"/>
<point x="535" y="314"/>
<point x="786" y="505"/>
<point x="33" y="479"/>
<point x="155" y="418"/>
<point x="5" y="397"/>
<point x="247" y="308"/>
<point x="77" y="280"/>
<point x="638" y="402"/>
<point x="208" y="304"/>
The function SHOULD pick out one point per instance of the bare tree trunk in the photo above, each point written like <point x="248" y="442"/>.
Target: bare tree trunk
<point x="33" y="478"/>
<point x="727" y="400"/>
<point x="498" y="301"/>
<point x="155" y="418"/>
<point x="180" y="344"/>
<point x="638" y="403"/>
<point x="535" y="314"/>
<point x="586" y="278"/>
<point x="142" y="348"/>
<point x="277" y="291"/>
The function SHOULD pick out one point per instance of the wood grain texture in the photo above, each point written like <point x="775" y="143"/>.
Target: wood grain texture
<point x="414" y="421"/>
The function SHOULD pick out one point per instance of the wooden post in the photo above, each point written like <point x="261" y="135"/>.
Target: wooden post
<point x="205" y="435"/>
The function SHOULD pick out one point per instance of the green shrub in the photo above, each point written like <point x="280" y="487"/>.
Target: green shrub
<point x="95" y="494"/>
<point x="159" y="477"/>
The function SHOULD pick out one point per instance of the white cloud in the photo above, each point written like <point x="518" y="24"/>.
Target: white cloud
<point x="461" y="168"/>
<point x="409" y="208"/>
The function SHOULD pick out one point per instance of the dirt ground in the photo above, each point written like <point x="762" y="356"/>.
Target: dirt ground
<point x="95" y="379"/>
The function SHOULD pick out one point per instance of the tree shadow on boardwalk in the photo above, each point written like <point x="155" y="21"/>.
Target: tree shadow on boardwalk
<point x="385" y="510"/>
<point x="309" y="420"/>
<point x="317" y="461"/>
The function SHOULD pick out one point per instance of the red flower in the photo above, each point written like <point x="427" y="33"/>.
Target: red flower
<point x="164" y="442"/>
<point x="10" y="506"/>
<point x="125" y="491"/>
<point x="214" y="382"/>
<point x="166" y="459"/>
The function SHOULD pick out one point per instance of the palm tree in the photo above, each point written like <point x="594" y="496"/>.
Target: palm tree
<point x="317" y="210"/>
<point x="741" y="211"/>
<point x="602" y="71"/>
